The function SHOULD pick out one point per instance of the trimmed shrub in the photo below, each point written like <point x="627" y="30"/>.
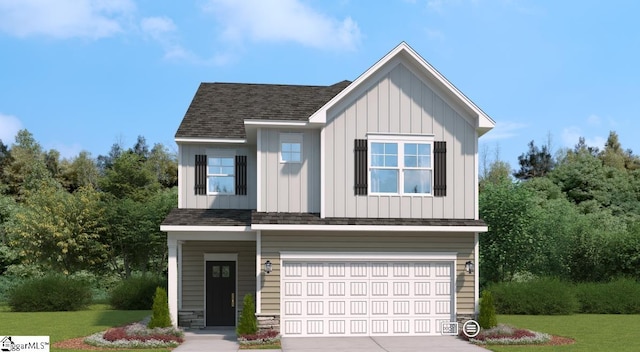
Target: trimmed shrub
<point x="135" y="293"/>
<point x="51" y="293"/>
<point x="160" y="317"/>
<point x="620" y="296"/>
<point x="537" y="297"/>
<point x="248" y="323"/>
<point x="487" y="318"/>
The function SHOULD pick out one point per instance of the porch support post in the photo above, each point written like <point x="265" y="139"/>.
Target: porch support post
<point x="258" y="272"/>
<point x="172" y="267"/>
<point x="476" y="272"/>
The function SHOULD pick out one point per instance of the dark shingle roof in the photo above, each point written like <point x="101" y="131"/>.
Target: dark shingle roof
<point x="246" y="217"/>
<point x="218" y="110"/>
<point x="314" y="219"/>
<point x="208" y="217"/>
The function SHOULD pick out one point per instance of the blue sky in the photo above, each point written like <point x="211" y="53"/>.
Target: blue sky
<point x="84" y="74"/>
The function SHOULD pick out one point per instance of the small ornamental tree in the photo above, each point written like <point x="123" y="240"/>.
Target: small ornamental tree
<point x="487" y="318"/>
<point x="160" y="317"/>
<point x="248" y="324"/>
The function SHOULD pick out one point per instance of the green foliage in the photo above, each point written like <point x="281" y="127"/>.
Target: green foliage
<point x="537" y="162"/>
<point x="541" y="296"/>
<point x="248" y="323"/>
<point x="487" y="318"/>
<point x="160" y="317"/>
<point x="59" y="230"/>
<point x="134" y="237"/>
<point x="135" y="293"/>
<point x="129" y="179"/>
<point x="48" y="294"/>
<point x="508" y="246"/>
<point x="620" y="296"/>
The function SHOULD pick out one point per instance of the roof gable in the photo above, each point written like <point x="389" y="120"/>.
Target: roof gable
<point x="404" y="53"/>
<point x="218" y="110"/>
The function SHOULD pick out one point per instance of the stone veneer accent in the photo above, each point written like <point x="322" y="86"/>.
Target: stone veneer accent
<point x="268" y="321"/>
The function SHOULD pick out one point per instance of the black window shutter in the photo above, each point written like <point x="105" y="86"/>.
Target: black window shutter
<point x="241" y="175"/>
<point x="440" y="169"/>
<point x="360" y="151"/>
<point x="200" y="187"/>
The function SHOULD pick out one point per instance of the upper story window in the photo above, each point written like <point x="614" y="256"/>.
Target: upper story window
<point x="291" y="147"/>
<point x="221" y="175"/>
<point x="400" y="166"/>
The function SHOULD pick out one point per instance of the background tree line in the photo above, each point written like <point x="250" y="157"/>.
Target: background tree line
<point x="574" y="215"/>
<point x="100" y="216"/>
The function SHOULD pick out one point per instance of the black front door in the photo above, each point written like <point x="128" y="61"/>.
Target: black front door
<point x="221" y="293"/>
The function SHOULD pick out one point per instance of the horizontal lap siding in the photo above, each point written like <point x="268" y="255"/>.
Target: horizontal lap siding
<point x="193" y="269"/>
<point x="274" y="243"/>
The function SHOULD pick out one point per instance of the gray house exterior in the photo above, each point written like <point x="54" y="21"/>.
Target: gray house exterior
<point x="345" y="210"/>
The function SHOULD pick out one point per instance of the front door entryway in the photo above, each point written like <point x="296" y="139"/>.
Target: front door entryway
<point x="221" y="293"/>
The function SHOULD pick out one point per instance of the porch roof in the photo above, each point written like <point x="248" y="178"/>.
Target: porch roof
<point x="248" y="217"/>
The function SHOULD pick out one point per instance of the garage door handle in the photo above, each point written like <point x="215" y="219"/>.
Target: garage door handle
<point x="233" y="300"/>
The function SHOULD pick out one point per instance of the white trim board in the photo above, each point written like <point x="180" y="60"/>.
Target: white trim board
<point x="369" y="256"/>
<point x="371" y="228"/>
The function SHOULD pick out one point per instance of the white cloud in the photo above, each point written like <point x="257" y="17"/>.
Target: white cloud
<point x="435" y="34"/>
<point x="9" y="127"/>
<point x="283" y="21"/>
<point x="64" y="19"/>
<point x="594" y="120"/>
<point x="571" y="135"/>
<point x="163" y="31"/>
<point x="504" y="130"/>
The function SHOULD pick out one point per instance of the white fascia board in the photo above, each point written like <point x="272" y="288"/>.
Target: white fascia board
<point x="370" y="228"/>
<point x="276" y="123"/>
<point x="187" y="228"/>
<point x="485" y="123"/>
<point x="367" y="256"/>
<point x="212" y="236"/>
<point x="210" y="140"/>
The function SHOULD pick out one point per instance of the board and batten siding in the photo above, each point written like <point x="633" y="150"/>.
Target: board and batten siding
<point x="193" y="279"/>
<point x="403" y="102"/>
<point x="190" y="200"/>
<point x="289" y="187"/>
<point x="461" y="243"/>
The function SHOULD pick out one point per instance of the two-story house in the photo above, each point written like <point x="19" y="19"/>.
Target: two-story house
<point x="349" y="209"/>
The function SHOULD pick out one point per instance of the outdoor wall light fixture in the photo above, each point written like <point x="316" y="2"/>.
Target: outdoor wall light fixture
<point x="268" y="267"/>
<point x="468" y="267"/>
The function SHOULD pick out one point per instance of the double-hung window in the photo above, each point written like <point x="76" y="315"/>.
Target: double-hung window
<point x="400" y="166"/>
<point x="221" y="175"/>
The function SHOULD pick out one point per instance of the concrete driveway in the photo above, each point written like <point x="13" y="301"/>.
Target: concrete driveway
<point x="378" y="344"/>
<point x="224" y="340"/>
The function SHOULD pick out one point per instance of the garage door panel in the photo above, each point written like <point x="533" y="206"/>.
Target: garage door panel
<point x="365" y="298"/>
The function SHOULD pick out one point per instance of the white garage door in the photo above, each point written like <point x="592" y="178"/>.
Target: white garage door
<point x="374" y="297"/>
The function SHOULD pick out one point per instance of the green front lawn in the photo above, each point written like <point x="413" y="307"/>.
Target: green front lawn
<point x="61" y="326"/>
<point x="592" y="332"/>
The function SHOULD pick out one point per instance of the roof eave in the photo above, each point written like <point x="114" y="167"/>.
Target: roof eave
<point x="485" y="123"/>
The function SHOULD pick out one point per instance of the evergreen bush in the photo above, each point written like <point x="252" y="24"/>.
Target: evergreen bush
<point x="543" y="296"/>
<point x="160" y="317"/>
<point x="51" y="293"/>
<point x="135" y="293"/>
<point x="621" y="296"/>
<point x="487" y="318"/>
<point x="248" y="323"/>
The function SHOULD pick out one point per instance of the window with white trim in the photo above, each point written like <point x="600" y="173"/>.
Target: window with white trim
<point x="291" y="147"/>
<point x="400" y="166"/>
<point x="221" y="175"/>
